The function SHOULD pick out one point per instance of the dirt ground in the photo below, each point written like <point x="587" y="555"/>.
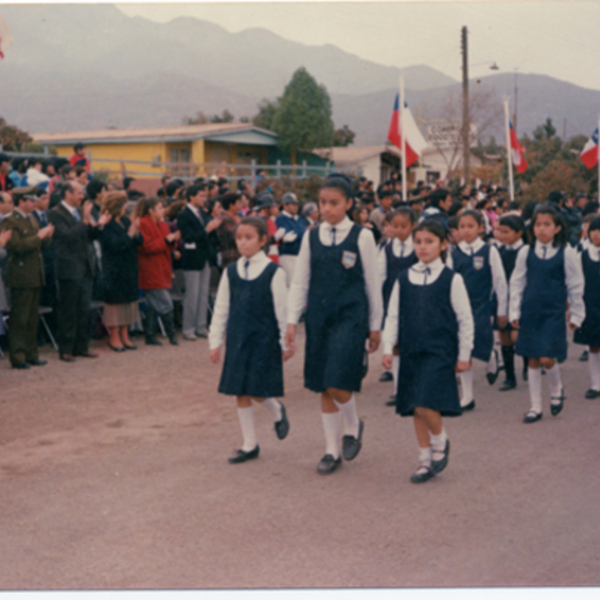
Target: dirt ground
<point x="113" y="475"/>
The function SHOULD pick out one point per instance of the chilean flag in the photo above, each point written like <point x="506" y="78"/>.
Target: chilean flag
<point x="589" y="154"/>
<point x="415" y="144"/>
<point x="518" y="152"/>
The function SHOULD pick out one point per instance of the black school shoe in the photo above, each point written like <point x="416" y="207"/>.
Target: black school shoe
<point x="242" y="456"/>
<point x="556" y="407"/>
<point x="585" y="356"/>
<point x="531" y="416"/>
<point x="437" y="466"/>
<point x="422" y="474"/>
<point x="491" y="377"/>
<point x="328" y="464"/>
<point x="469" y="406"/>
<point x="386" y="376"/>
<point x="592" y="394"/>
<point x="282" y="427"/>
<point x="509" y="384"/>
<point x="350" y="445"/>
<point x="391" y="401"/>
<point x="21" y="365"/>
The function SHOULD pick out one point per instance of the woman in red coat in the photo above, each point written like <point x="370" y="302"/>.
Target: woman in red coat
<point x="155" y="268"/>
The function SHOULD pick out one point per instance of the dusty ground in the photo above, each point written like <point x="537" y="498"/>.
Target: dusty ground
<point x="113" y="474"/>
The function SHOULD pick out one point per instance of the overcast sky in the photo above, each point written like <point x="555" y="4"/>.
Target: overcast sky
<point x="560" y="39"/>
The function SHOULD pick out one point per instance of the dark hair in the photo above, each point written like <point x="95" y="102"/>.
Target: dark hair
<point x="127" y="182"/>
<point x="210" y="205"/>
<point x="66" y="169"/>
<point x="174" y="209"/>
<point x="436" y="228"/>
<point x="513" y="222"/>
<point x="453" y="222"/>
<point x="589" y="218"/>
<point x="562" y="237"/>
<point x="228" y="199"/>
<point x="455" y="208"/>
<point x="404" y="211"/>
<point x="173" y="186"/>
<point x="78" y="146"/>
<point x="515" y="205"/>
<point x="63" y="188"/>
<point x="258" y="224"/>
<point x="528" y="210"/>
<point x="194" y="190"/>
<point x="357" y="210"/>
<point x="143" y="206"/>
<point x="595" y="224"/>
<point x="473" y="214"/>
<point x="438" y="196"/>
<point x="555" y="197"/>
<point x="341" y="182"/>
<point x="590" y="208"/>
<point x="94" y="188"/>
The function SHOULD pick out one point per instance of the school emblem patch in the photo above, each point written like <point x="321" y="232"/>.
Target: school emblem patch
<point x="478" y="262"/>
<point x="348" y="259"/>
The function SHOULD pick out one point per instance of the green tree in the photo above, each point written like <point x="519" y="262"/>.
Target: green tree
<point x="266" y="113"/>
<point x="12" y="138"/>
<point x="303" y="119"/>
<point x="224" y="117"/>
<point x="343" y="136"/>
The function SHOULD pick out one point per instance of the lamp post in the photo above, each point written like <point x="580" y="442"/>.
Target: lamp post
<point x="465" y="123"/>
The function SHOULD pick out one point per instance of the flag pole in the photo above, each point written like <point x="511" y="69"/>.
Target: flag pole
<point x="598" y="151"/>
<point x="511" y="182"/>
<point x="403" y="138"/>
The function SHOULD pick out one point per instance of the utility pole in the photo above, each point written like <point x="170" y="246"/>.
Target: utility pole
<point x="465" y="124"/>
<point x="516" y="100"/>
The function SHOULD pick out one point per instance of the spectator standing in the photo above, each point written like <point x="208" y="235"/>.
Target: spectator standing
<point x="290" y="229"/>
<point x="119" y="239"/>
<point x="79" y="157"/>
<point x="156" y="269"/>
<point x="6" y="205"/>
<point x="6" y="183"/>
<point x="378" y="213"/>
<point x="25" y="277"/>
<point x="192" y="222"/>
<point x="74" y="268"/>
<point x="232" y="205"/>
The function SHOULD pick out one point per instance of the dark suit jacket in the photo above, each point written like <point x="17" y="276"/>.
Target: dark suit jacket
<point x="25" y="268"/>
<point x="74" y="254"/>
<point x="196" y="246"/>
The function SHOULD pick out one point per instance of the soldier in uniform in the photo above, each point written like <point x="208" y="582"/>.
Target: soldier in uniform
<point x="25" y="277"/>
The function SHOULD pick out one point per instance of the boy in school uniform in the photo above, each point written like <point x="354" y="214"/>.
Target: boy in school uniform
<point x="290" y="229"/>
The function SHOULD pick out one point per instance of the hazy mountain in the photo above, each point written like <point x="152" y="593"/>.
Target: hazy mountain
<point x="84" y="66"/>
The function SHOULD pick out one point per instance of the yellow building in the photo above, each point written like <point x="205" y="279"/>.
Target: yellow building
<point x="181" y="150"/>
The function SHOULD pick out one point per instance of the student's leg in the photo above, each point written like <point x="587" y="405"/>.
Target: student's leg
<point x="278" y="414"/>
<point x="535" y="388"/>
<point x="508" y="356"/>
<point x="594" y="364"/>
<point x="330" y="416"/>
<point x="556" y="387"/>
<point x="467" y="401"/>
<point x="423" y="472"/>
<point x="203" y="293"/>
<point x="395" y="372"/>
<point x="246" y="418"/>
<point x="345" y="402"/>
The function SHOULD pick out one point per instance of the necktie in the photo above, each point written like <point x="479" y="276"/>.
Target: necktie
<point x="246" y="265"/>
<point x="77" y="216"/>
<point x="471" y="250"/>
<point x="401" y="249"/>
<point x="426" y="272"/>
<point x="333" y="236"/>
<point x="544" y="251"/>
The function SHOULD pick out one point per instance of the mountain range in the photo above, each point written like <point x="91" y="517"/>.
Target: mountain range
<point x="88" y="66"/>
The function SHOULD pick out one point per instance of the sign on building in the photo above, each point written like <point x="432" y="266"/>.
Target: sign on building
<point x="449" y="135"/>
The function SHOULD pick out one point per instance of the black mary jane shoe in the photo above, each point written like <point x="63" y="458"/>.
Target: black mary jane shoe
<point x="282" y="427"/>
<point x="328" y="464"/>
<point x="437" y="466"/>
<point x="422" y="474"/>
<point x="386" y="376"/>
<point x="21" y="365"/>
<point x="241" y="456"/>
<point x="37" y="362"/>
<point x="132" y="347"/>
<point x="509" y="384"/>
<point x="491" y="377"/>
<point x="557" y="403"/>
<point x="391" y="401"/>
<point x="585" y="356"/>
<point x="115" y="349"/>
<point x="469" y="406"/>
<point x="531" y="416"/>
<point x="592" y="394"/>
<point x="351" y="445"/>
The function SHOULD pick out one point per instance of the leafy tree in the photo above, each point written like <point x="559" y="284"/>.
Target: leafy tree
<point x="266" y="113"/>
<point x="12" y="138"/>
<point x="224" y="117"/>
<point x="343" y="136"/>
<point x="199" y="119"/>
<point x="303" y="119"/>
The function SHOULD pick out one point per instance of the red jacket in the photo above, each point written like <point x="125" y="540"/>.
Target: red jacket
<point x="154" y="256"/>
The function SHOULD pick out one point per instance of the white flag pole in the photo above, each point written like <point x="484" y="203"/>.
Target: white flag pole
<point x="511" y="182"/>
<point x="403" y="137"/>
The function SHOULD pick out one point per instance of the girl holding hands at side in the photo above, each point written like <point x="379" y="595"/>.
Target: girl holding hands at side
<point x="429" y="314"/>
<point x="547" y="274"/>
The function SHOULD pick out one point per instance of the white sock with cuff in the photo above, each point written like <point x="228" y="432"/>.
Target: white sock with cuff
<point x="246" y="419"/>
<point x="535" y="389"/>
<point x="349" y="416"/>
<point x="331" y="427"/>
<point x="274" y="407"/>
<point x="555" y="381"/>
<point x="594" y="364"/>
<point x="466" y="383"/>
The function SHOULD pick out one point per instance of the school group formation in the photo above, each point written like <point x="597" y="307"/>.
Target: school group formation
<point x="432" y="294"/>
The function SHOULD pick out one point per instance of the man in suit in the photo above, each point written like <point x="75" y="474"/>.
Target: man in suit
<point x="25" y="277"/>
<point x="196" y="268"/>
<point x="74" y="268"/>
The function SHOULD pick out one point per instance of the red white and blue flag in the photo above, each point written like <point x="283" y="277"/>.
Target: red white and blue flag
<point x="517" y="151"/>
<point x="415" y="143"/>
<point x="589" y="154"/>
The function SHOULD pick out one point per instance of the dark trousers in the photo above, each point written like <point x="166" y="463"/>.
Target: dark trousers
<point x="73" y="312"/>
<point x="23" y="324"/>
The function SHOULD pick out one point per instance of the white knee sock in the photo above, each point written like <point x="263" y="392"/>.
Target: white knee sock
<point x="492" y="364"/>
<point x="274" y="407"/>
<point x="331" y="427"/>
<point x="466" y="382"/>
<point x="246" y="418"/>
<point x="594" y="364"/>
<point x="535" y="389"/>
<point x="425" y="456"/>
<point x="396" y="371"/>
<point x="555" y="381"/>
<point x="349" y="416"/>
<point x="438" y="442"/>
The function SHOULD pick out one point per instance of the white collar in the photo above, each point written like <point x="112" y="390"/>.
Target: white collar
<point x="287" y="214"/>
<point x="516" y="245"/>
<point x="344" y="224"/>
<point x="69" y="207"/>
<point x="475" y="246"/>
<point x="435" y="265"/>
<point x="260" y="256"/>
<point x="408" y="242"/>
<point x="539" y="245"/>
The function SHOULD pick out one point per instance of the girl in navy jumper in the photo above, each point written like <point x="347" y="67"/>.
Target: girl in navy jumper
<point x="481" y="268"/>
<point x="430" y="315"/>
<point x="250" y="316"/>
<point x="395" y="257"/>
<point x="546" y="275"/>
<point x="336" y="279"/>
<point x="589" y="332"/>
